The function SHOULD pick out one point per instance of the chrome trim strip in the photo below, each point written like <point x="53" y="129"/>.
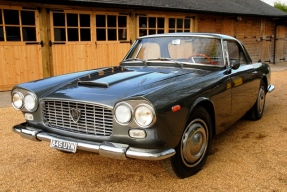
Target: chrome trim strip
<point x="107" y="149"/>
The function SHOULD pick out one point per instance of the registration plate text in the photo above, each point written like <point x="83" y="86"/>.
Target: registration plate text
<point x="64" y="145"/>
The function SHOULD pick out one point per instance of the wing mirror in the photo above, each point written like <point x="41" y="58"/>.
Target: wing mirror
<point x="235" y="64"/>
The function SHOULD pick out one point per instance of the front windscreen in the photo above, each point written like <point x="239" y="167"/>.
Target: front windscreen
<point x="185" y="49"/>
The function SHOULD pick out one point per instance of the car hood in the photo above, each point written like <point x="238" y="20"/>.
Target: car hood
<point x="110" y="85"/>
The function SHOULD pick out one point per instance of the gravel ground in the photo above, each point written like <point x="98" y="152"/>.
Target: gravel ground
<point x="250" y="156"/>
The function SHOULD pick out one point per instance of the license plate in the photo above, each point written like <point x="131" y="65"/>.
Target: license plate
<point x="64" y="145"/>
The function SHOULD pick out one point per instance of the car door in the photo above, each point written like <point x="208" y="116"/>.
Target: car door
<point x="244" y="81"/>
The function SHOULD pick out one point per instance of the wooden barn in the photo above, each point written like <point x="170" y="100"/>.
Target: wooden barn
<point x="44" y="38"/>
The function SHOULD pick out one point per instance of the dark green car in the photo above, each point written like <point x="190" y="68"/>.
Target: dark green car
<point x="165" y="101"/>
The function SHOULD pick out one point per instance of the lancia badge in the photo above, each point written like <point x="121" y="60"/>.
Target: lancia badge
<point x="75" y="114"/>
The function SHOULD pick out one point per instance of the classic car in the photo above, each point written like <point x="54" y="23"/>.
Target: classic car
<point x="165" y="101"/>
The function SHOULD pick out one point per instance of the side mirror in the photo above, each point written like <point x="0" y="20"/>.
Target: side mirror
<point x="235" y="64"/>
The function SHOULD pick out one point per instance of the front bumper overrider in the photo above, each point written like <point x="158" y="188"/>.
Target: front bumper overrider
<point x="106" y="149"/>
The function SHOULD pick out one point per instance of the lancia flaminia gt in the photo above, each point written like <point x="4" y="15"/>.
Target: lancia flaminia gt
<point x="165" y="101"/>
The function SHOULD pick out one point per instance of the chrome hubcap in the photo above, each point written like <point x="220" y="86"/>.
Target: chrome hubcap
<point x="261" y="100"/>
<point x="194" y="143"/>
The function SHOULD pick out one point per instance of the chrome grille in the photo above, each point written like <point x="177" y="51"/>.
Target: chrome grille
<point x="95" y="119"/>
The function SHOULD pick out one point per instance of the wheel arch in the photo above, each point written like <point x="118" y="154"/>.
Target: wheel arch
<point x="208" y="106"/>
<point x="264" y="79"/>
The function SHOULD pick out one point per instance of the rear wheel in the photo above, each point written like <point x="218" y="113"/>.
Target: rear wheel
<point x="192" y="151"/>
<point x="257" y="110"/>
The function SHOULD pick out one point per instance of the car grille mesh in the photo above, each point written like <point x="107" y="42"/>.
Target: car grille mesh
<point x="94" y="119"/>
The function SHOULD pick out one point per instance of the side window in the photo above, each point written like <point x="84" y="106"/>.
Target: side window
<point x="235" y="52"/>
<point x="71" y="27"/>
<point x="17" y="25"/>
<point x="111" y="27"/>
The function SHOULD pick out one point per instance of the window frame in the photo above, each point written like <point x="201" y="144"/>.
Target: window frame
<point x="66" y="27"/>
<point x="106" y="27"/>
<point x="20" y="25"/>
<point x="166" y="28"/>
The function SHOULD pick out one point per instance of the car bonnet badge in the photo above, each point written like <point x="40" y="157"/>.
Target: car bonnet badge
<point x="75" y="114"/>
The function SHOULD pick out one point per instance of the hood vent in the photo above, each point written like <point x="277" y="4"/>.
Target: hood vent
<point x="94" y="83"/>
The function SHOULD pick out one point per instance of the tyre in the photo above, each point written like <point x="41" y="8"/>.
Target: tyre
<point x="256" y="112"/>
<point x="192" y="151"/>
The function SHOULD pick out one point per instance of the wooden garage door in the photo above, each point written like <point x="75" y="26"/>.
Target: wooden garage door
<point x="280" y="39"/>
<point x="86" y="40"/>
<point x="20" y="49"/>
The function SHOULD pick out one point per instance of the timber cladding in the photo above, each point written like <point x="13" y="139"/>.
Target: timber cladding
<point x="38" y="40"/>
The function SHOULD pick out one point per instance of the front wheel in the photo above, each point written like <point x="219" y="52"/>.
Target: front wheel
<point x="192" y="151"/>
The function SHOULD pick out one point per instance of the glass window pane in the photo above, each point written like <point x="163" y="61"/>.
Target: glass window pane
<point x="100" y="20"/>
<point x="171" y="31"/>
<point x="187" y="23"/>
<point x="59" y="19"/>
<point x="179" y="30"/>
<point x="85" y="34"/>
<point x="101" y="34"/>
<point x="122" y="21"/>
<point x="112" y="21"/>
<point x="171" y="23"/>
<point x="11" y="17"/>
<point x="112" y="34"/>
<point x="122" y="34"/>
<point x="143" y="32"/>
<point x="151" y="31"/>
<point x="28" y="17"/>
<point x="160" y="31"/>
<point x="142" y="22"/>
<point x="85" y="20"/>
<point x="186" y="30"/>
<point x="29" y="33"/>
<point x="73" y="34"/>
<point x="160" y="22"/>
<point x="179" y="23"/>
<point x="72" y="20"/>
<point x="1" y="34"/>
<point x="152" y="22"/>
<point x="60" y="34"/>
<point x="1" y="22"/>
<point x="13" y="34"/>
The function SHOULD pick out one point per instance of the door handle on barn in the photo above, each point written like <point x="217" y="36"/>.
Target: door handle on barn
<point x="35" y="43"/>
<point x="56" y="43"/>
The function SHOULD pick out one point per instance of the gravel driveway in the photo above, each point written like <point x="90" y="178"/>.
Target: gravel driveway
<point x="250" y="156"/>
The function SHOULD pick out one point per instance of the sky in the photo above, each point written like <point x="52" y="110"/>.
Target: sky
<point x="271" y="2"/>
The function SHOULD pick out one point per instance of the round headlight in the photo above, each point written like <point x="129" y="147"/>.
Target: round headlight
<point x="123" y="113"/>
<point x="30" y="102"/>
<point x="144" y="115"/>
<point x="17" y="100"/>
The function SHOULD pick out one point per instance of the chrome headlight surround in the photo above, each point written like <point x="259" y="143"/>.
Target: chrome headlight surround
<point x="144" y="115"/>
<point x="123" y="113"/>
<point x="30" y="102"/>
<point x="17" y="100"/>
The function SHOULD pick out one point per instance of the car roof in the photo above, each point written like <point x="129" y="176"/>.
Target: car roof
<point x="184" y="34"/>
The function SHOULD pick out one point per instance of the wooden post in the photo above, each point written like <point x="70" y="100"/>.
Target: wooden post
<point x="45" y="37"/>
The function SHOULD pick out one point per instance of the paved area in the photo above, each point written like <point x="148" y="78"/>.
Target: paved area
<point x="5" y="100"/>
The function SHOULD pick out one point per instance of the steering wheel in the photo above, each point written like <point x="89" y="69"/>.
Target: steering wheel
<point x="199" y="54"/>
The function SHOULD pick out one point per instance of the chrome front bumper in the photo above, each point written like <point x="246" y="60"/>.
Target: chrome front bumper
<point x="270" y="88"/>
<point x="106" y="149"/>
